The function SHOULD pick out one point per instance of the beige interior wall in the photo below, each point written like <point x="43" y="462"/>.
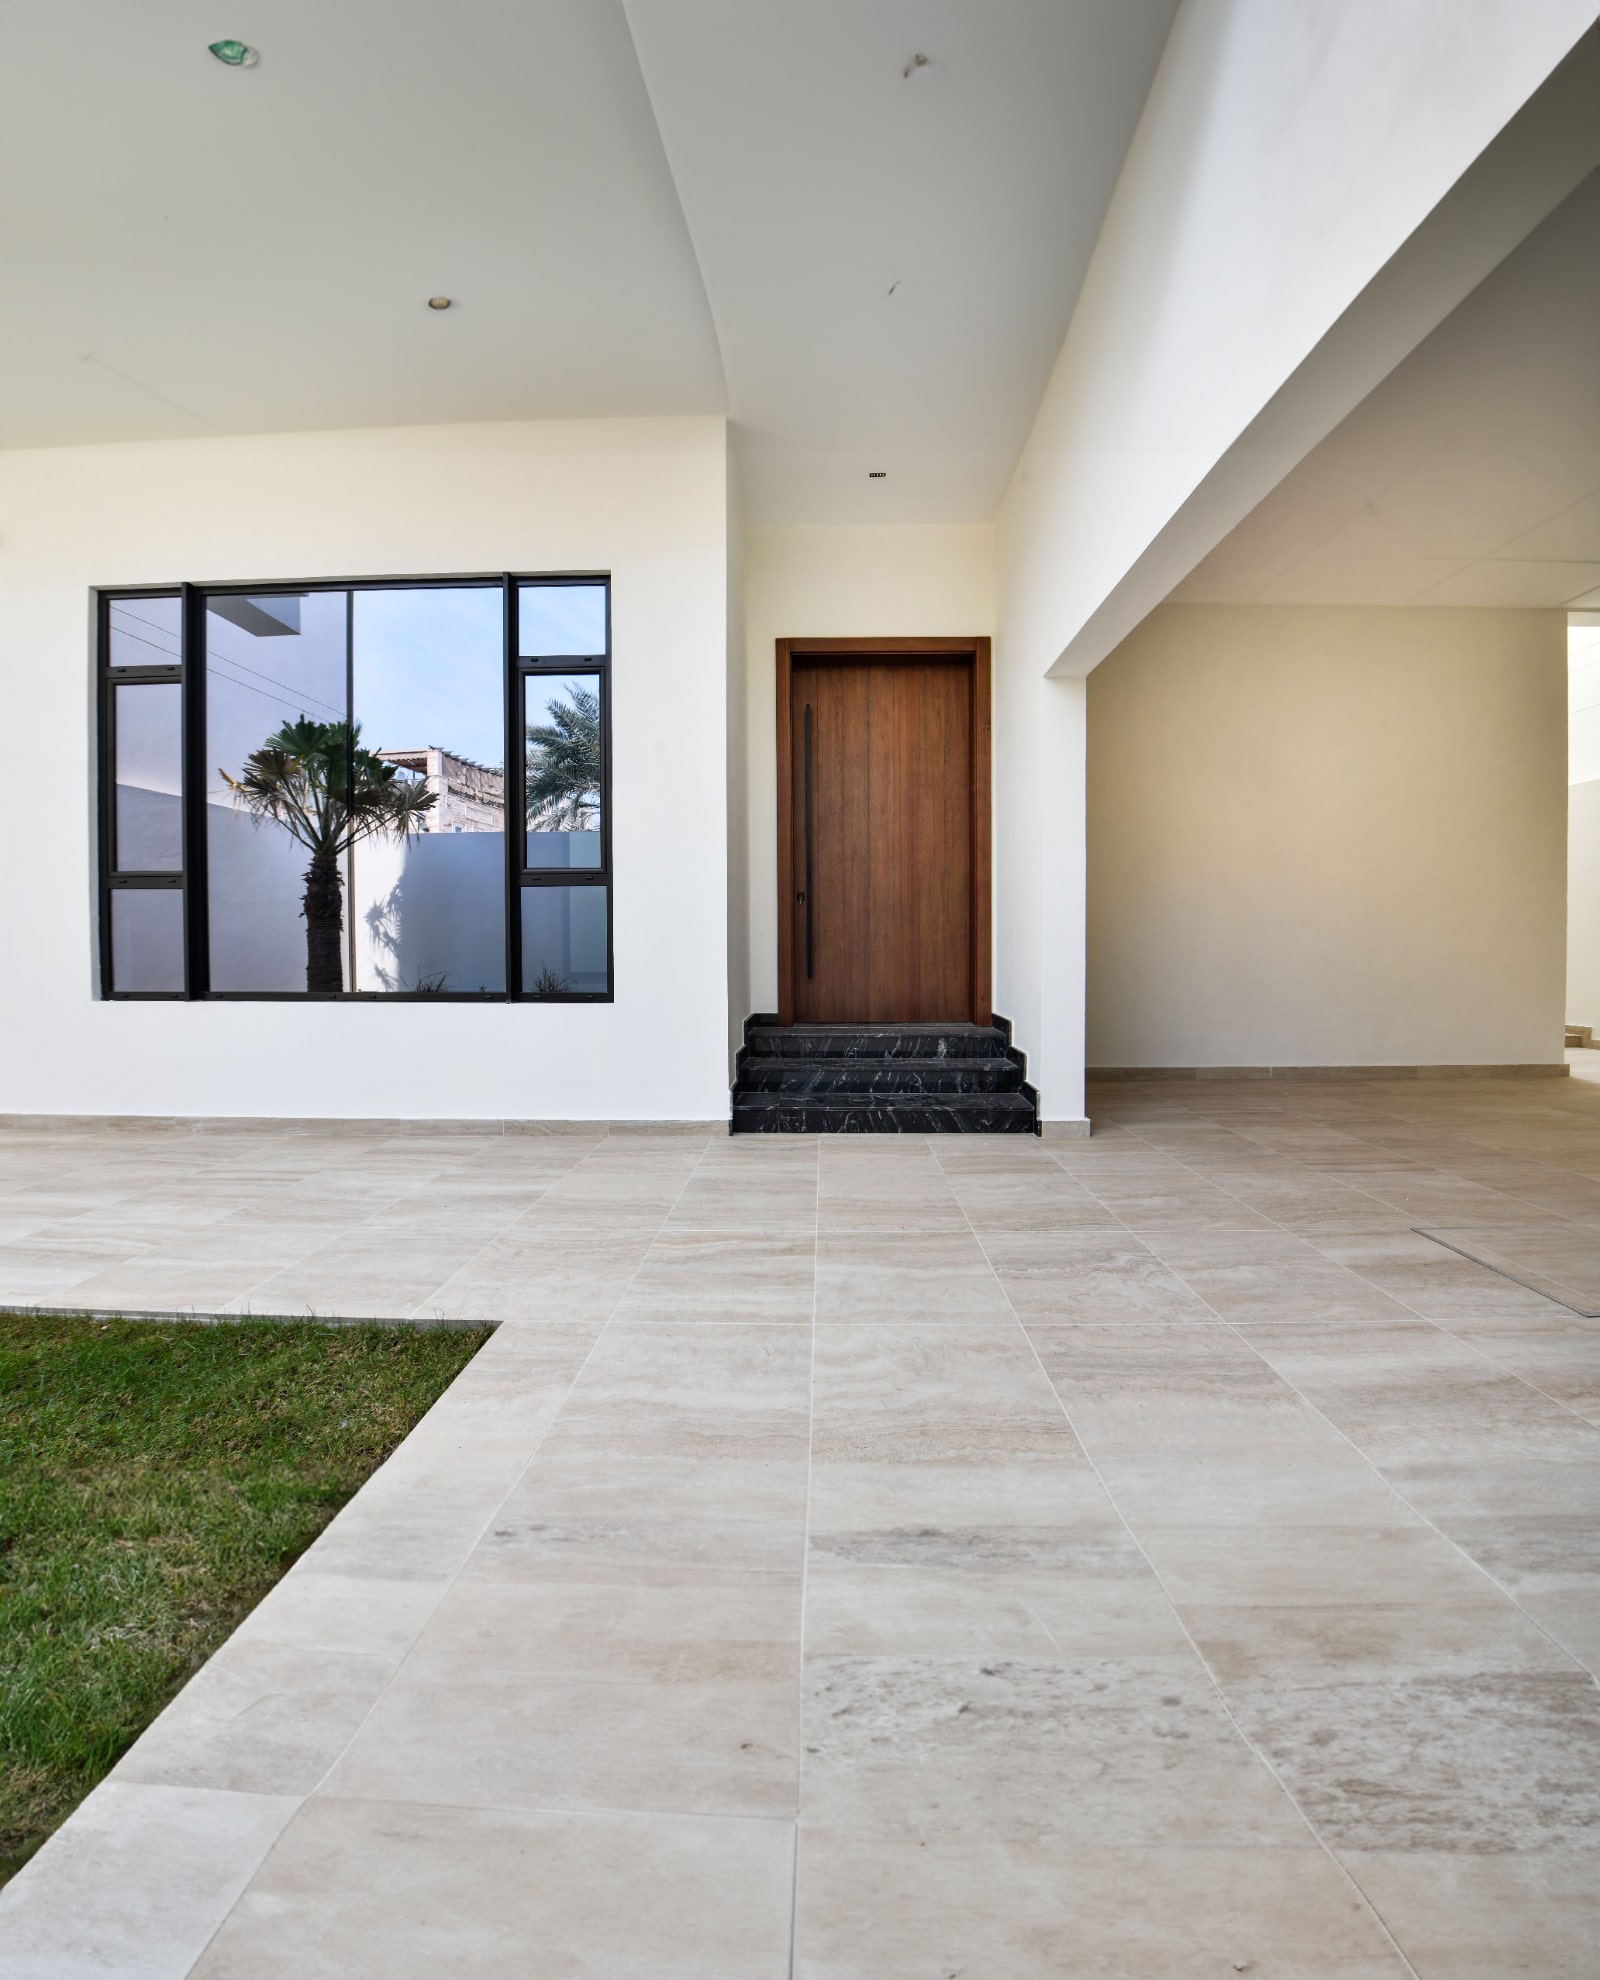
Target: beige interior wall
<point x="1583" y="904"/>
<point x="837" y="583"/>
<point x="1328" y="836"/>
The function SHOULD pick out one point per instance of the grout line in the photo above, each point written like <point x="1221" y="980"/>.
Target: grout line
<point x="1399" y="1299"/>
<point x="805" y="1584"/>
<point x="449" y="1582"/>
<point x="466" y="1265"/>
<point x="1200" y="1658"/>
<point x="1372" y="1464"/>
<point x="1504" y="1271"/>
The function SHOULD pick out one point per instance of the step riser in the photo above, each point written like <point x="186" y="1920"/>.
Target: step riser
<point x="881" y="1079"/>
<point x="948" y="1076"/>
<point x="877" y="1045"/>
<point x="914" y="1116"/>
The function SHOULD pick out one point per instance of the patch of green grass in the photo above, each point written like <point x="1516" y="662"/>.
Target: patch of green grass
<point x="155" y="1480"/>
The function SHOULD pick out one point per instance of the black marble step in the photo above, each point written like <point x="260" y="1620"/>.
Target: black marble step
<point x="884" y="1113"/>
<point x="898" y="1041"/>
<point x="775" y="1074"/>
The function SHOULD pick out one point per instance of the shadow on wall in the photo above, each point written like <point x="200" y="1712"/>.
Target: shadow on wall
<point x="430" y="913"/>
<point x="427" y="913"/>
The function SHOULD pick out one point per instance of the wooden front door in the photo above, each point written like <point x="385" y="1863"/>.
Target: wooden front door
<point x="884" y="842"/>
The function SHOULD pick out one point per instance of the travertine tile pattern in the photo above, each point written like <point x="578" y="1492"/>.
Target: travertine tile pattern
<point x="886" y="1558"/>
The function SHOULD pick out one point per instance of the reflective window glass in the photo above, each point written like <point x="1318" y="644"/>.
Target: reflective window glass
<point x="145" y="632"/>
<point x="562" y="777"/>
<point x="149" y="766"/>
<point x="276" y="777"/>
<point x="561" y="621"/>
<point x="352" y="744"/>
<point x="564" y="941"/>
<point x="428" y="895"/>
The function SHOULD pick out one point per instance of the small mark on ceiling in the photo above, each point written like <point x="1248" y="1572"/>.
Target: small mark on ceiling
<point x="877" y="474"/>
<point x="918" y="61"/>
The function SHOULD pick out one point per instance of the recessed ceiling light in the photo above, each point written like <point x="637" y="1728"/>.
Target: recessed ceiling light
<point x="438" y="302"/>
<point x="877" y="474"/>
<point x="235" y="54"/>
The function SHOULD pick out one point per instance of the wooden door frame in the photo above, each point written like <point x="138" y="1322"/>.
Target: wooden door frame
<point x="869" y="650"/>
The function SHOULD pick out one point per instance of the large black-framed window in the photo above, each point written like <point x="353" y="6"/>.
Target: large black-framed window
<point x="361" y="789"/>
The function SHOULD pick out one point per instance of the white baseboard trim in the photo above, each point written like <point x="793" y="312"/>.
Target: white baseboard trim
<point x="1543" y="1069"/>
<point x="345" y="1124"/>
<point x="1065" y="1130"/>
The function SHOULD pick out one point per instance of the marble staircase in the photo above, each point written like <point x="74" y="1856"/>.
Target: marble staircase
<point x="881" y="1079"/>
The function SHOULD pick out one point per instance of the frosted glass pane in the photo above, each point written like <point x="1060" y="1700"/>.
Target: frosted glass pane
<point x="149" y="821"/>
<point x="564" y="941"/>
<point x="558" y="621"/>
<point x="146" y="938"/>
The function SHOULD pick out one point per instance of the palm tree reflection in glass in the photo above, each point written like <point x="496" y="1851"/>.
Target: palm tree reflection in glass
<point x="561" y="785"/>
<point x="317" y="782"/>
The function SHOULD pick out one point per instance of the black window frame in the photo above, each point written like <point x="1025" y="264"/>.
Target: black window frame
<point x="192" y="879"/>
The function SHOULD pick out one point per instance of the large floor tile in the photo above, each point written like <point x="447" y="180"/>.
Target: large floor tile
<point x="1435" y="1283"/>
<point x="136" y="1884"/>
<point x="935" y="1395"/>
<point x="776" y="1201"/>
<point x="1402" y="1560"/>
<point x="1196" y="1391"/>
<point x="1007" y="1749"/>
<point x="1326" y="1642"/>
<point x="583" y="1510"/>
<point x="1025" y="1199"/>
<point x="1090" y="1276"/>
<point x="921" y="1278"/>
<point x="698" y="1624"/>
<point x="1327" y="1484"/>
<point x="381" y="1891"/>
<point x="928" y="1910"/>
<point x="260" y="1718"/>
<point x="1476" y="1916"/>
<point x="1489" y="1761"/>
<point x="555" y="1650"/>
<point x="1272" y="1276"/>
<point x="486" y="1735"/>
<point x="700" y="1274"/>
<point x="1080" y="1588"/>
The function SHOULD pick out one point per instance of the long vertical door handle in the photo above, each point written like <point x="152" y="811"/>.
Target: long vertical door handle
<point x="810" y="956"/>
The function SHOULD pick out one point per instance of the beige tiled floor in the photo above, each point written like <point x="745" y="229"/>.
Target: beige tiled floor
<point x="886" y="1559"/>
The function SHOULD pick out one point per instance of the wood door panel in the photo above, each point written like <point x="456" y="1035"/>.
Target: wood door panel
<point x="890" y="899"/>
<point x="840" y="889"/>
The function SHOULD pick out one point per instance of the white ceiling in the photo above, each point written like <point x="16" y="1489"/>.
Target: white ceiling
<point x="201" y="249"/>
<point x="892" y="259"/>
<point x="188" y="249"/>
<point x="1471" y="476"/>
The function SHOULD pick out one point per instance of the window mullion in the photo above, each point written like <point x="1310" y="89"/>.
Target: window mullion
<point x="512" y="785"/>
<point x="196" y="897"/>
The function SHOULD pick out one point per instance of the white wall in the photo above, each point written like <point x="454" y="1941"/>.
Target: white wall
<point x="642" y="499"/>
<point x="1328" y="836"/>
<point x="837" y="583"/>
<point x="1286" y="154"/>
<point x="738" y="762"/>
<point x="1311" y="188"/>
